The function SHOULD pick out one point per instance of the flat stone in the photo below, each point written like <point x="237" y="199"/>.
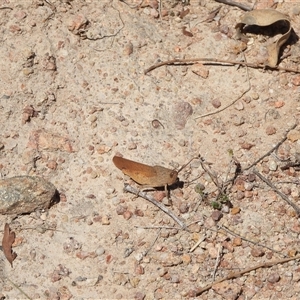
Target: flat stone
<point x="25" y="194"/>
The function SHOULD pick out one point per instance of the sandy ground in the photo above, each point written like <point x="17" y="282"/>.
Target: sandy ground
<point x="74" y="94"/>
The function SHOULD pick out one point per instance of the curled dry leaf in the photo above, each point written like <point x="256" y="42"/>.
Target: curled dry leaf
<point x="186" y="32"/>
<point x="7" y="241"/>
<point x="263" y="18"/>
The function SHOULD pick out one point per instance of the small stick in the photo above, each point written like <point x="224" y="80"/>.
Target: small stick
<point x="225" y="107"/>
<point x="273" y="149"/>
<point x="198" y="243"/>
<point x="217" y="261"/>
<point x="233" y="3"/>
<point x="19" y="289"/>
<point x="130" y="189"/>
<point x="247" y="240"/>
<point x="215" y="61"/>
<point x="234" y="101"/>
<point x="212" y="177"/>
<point x="159" y="9"/>
<point x="199" y="291"/>
<point x="196" y="157"/>
<point x="218" y="230"/>
<point x="157" y="227"/>
<point x="283" y="196"/>
<point x="147" y="251"/>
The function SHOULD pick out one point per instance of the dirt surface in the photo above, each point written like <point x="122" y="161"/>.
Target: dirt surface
<point x="74" y="94"/>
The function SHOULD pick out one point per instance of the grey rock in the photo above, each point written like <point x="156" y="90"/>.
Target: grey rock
<point x="25" y="194"/>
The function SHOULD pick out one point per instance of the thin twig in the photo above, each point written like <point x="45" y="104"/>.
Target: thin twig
<point x="147" y="251"/>
<point x="130" y="189"/>
<point x="237" y="171"/>
<point x="199" y="291"/>
<point x="211" y="175"/>
<point x="283" y="196"/>
<point x="234" y="101"/>
<point x="247" y="240"/>
<point x="157" y="227"/>
<point x="132" y="6"/>
<point x="19" y="289"/>
<point x="109" y="35"/>
<point x="217" y="261"/>
<point x="218" y="230"/>
<point x="273" y="149"/>
<point x="198" y="243"/>
<point x="215" y="61"/>
<point x="225" y="107"/>
<point x="233" y="3"/>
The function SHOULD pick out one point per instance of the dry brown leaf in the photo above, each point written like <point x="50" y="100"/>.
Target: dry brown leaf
<point x="183" y="13"/>
<point x="185" y="32"/>
<point x="266" y="17"/>
<point x="7" y="241"/>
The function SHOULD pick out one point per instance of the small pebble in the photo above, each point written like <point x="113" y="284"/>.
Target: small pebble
<point x="162" y="272"/>
<point x="246" y="146"/>
<point x="175" y="278"/>
<point x="248" y="194"/>
<point x="110" y="191"/>
<point x="182" y="143"/>
<point x="255" y="96"/>
<point x="292" y="253"/>
<point x="43" y="216"/>
<point x="237" y="241"/>
<point x="293" y="135"/>
<point x="273" y="278"/>
<point x="216" y="103"/>
<point x="239" y="106"/>
<point x="128" y="49"/>
<point x="132" y="146"/>
<point x="105" y="220"/>
<point x="52" y="164"/>
<point x="240" y="195"/>
<point x="139" y="296"/>
<point x="120" y="209"/>
<point x="134" y="281"/>
<point x="279" y="104"/>
<point x="216" y="215"/>
<point x="248" y="186"/>
<point x="270" y="130"/>
<point x="127" y="215"/>
<point x="164" y="233"/>
<point x="186" y="258"/>
<point x="235" y="210"/>
<point x="251" y="177"/>
<point x="27" y="71"/>
<point x="156" y="124"/>
<point x="273" y="165"/>
<point x="139" y="270"/>
<point x="225" y="209"/>
<point x="255" y="252"/>
<point x="183" y="208"/>
<point x="296" y="80"/>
